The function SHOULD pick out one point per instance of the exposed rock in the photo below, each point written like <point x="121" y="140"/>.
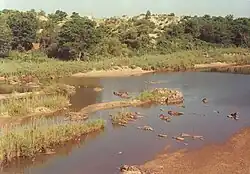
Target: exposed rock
<point x="184" y="135"/>
<point x="125" y="169"/>
<point x="179" y="138"/>
<point x="197" y="137"/>
<point x="98" y="89"/>
<point x="174" y="113"/>
<point x="162" y="135"/>
<point x="146" y="128"/>
<point x="234" y="116"/>
<point x="165" y="118"/>
<point x="122" y="94"/>
<point x="204" y="100"/>
<point x="217" y="111"/>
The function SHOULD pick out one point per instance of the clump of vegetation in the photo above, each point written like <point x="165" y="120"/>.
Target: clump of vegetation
<point x="7" y="89"/>
<point x="160" y="95"/>
<point x="41" y="136"/>
<point x="58" y="89"/>
<point x="154" y="95"/>
<point x="122" y="118"/>
<point x="31" y="104"/>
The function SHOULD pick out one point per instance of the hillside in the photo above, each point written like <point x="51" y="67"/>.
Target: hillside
<point x="65" y="36"/>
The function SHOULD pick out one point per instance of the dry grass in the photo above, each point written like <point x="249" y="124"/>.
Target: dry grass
<point x="30" y="104"/>
<point x="123" y="117"/>
<point x="41" y="136"/>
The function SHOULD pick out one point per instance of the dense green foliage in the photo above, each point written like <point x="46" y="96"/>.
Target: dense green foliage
<point x="75" y="37"/>
<point x="23" y="26"/>
<point x="5" y="38"/>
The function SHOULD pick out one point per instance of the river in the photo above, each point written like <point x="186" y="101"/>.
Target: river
<point x="105" y="152"/>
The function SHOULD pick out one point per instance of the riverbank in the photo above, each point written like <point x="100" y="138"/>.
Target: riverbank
<point x="46" y="69"/>
<point x="231" y="157"/>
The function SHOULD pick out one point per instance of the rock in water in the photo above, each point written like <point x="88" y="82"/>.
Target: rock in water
<point x="204" y="100"/>
<point x="125" y="169"/>
<point x="162" y="135"/>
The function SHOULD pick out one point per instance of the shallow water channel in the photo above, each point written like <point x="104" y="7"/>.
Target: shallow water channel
<point x="105" y="152"/>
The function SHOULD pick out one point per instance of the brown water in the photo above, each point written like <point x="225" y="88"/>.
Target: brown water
<point x="226" y="93"/>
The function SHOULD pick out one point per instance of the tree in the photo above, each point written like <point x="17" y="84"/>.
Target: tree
<point x="41" y="13"/>
<point x="148" y="14"/>
<point x="58" y="16"/>
<point x="77" y="36"/>
<point x="23" y="26"/>
<point x="111" y="46"/>
<point x="5" y="39"/>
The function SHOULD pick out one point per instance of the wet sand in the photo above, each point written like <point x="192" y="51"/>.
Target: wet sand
<point x="232" y="157"/>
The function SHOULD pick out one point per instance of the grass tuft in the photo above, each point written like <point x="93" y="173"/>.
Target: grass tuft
<point x="30" y="104"/>
<point x="122" y="118"/>
<point x="155" y="95"/>
<point x="41" y="136"/>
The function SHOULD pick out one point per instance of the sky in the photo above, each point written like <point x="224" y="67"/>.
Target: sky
<point x="107" y="8"/>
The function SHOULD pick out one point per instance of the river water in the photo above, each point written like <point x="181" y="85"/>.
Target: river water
<point x="105" y="152"/>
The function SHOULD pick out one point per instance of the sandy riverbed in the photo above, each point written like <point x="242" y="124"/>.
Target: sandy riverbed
<point x="121" y="72"/>
<point x="231" y="157"/>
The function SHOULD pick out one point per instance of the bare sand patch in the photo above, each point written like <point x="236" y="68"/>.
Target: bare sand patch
<point x="118" y="72"/>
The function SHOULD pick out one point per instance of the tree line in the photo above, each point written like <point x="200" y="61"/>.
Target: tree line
<point x="73" y="36"/>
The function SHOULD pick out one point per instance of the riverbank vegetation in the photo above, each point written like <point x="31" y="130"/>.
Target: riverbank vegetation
<point x="41" y="136"/>
<point x="32" y="104"/>
<point x="50" y="69"/>
<point x="149" y="41"/>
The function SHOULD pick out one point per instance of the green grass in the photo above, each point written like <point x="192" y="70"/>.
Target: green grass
<point x="40" y="136"/>
<point x="14" y="107"/>
<point x="122" y="117"/>
<point x="156" y="95"/>
<point x="45" y="68"/>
